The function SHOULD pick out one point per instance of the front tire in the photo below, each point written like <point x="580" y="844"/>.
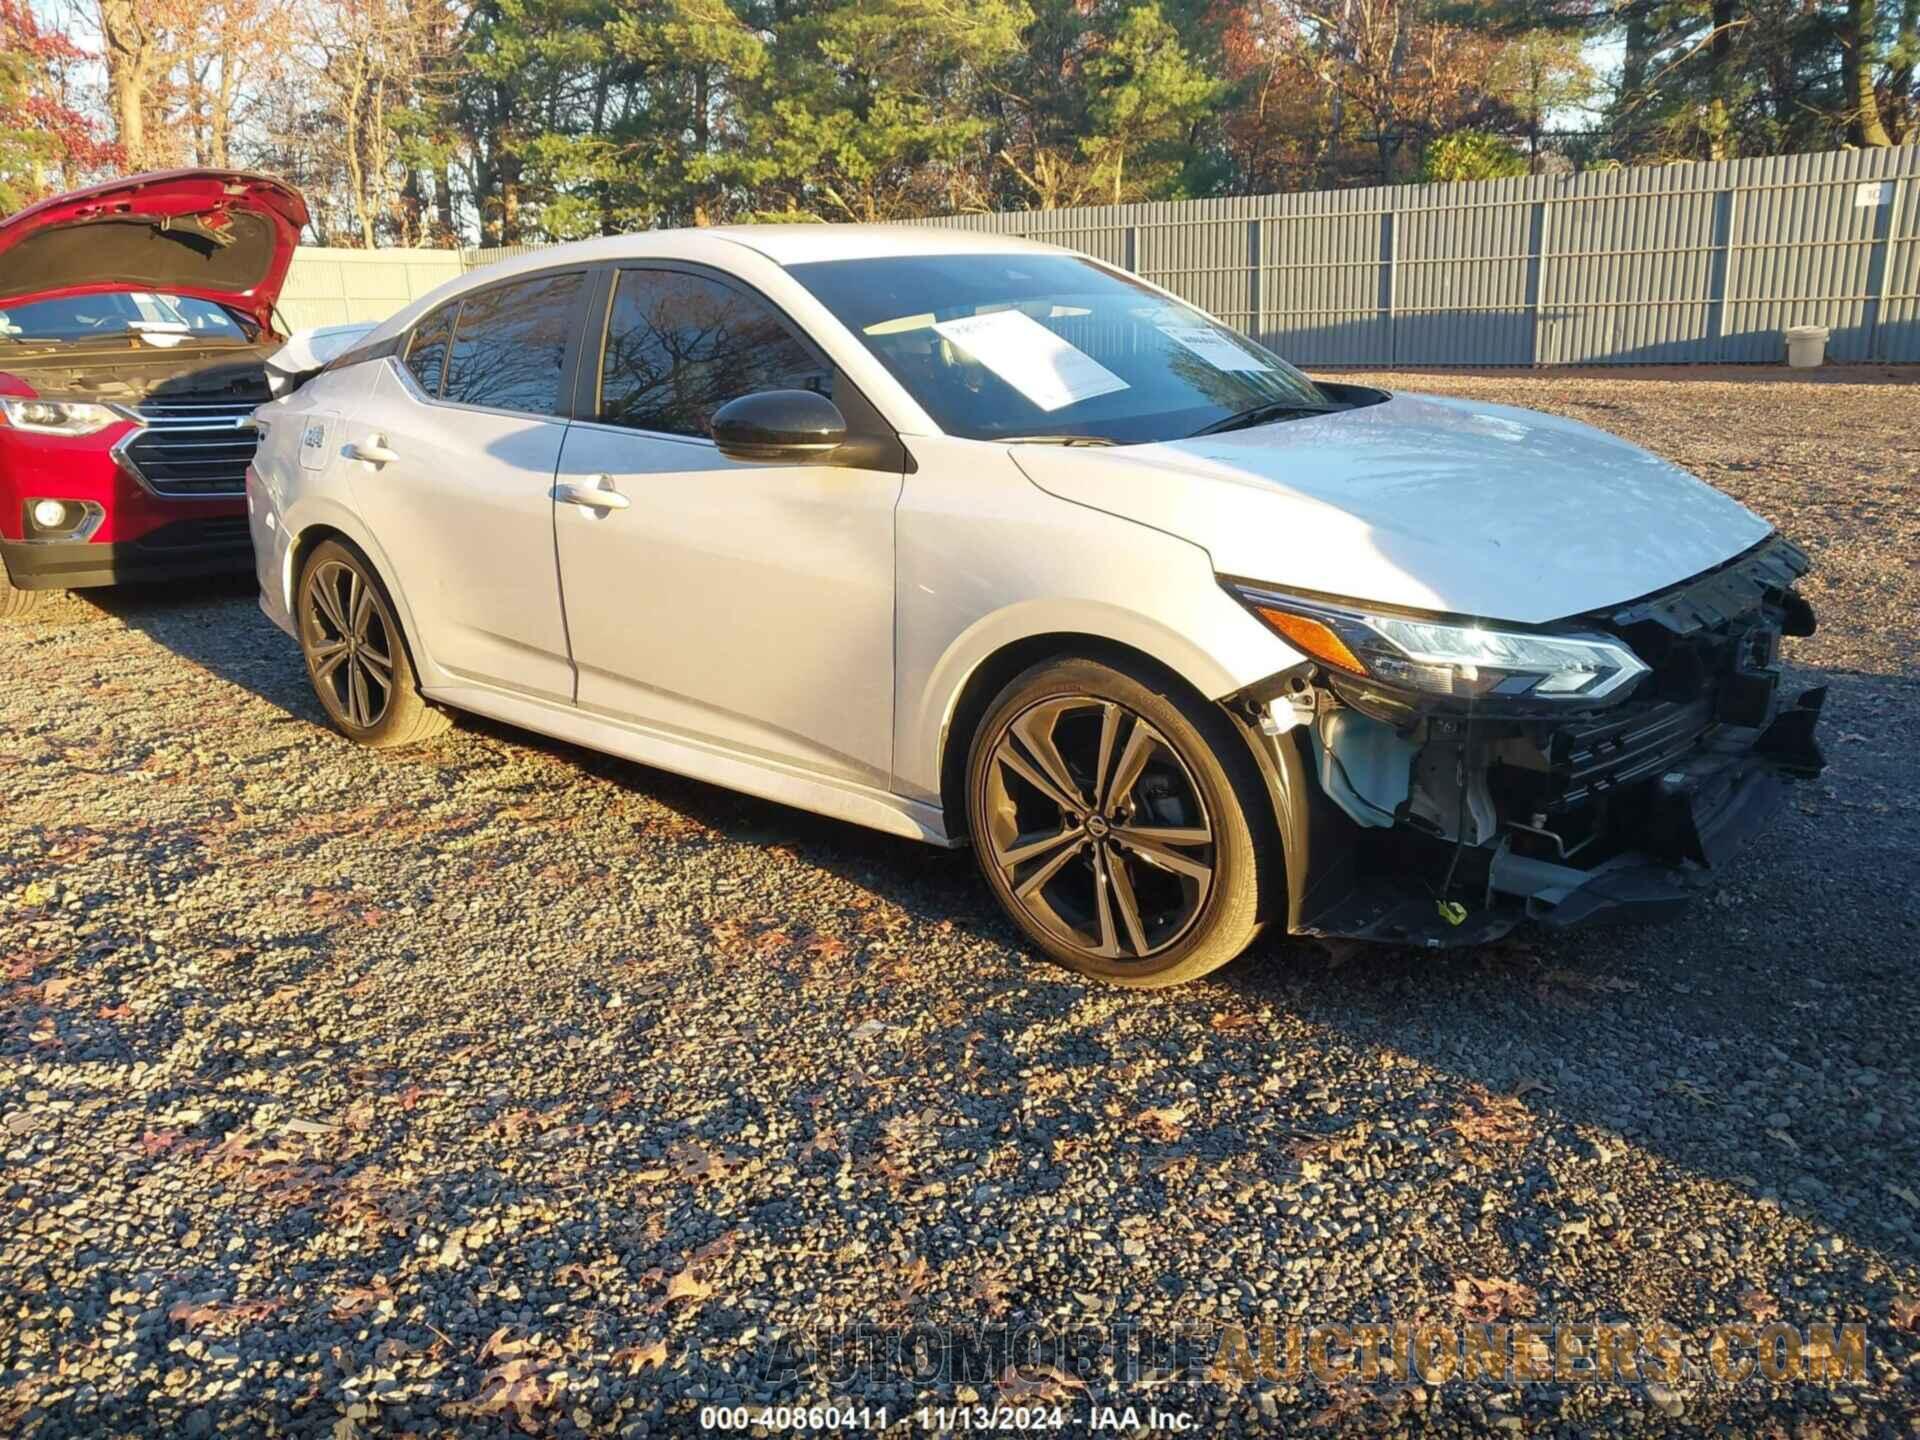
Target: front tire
<point x="15" y="603"/>
<point x="356" y="655"/>
<point x="1118" y="823"/>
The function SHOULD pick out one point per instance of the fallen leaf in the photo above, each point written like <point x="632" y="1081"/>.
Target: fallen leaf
<point x="639" y="1357"/>
<point x="1760" y="1305"/>
<point x="1227" y="1021"/>
<point x="500" y="1343"/>
<point x="221" y="1317"/>
<point x="1165" y="1124"/>
<point x="1484" y="1301"/>
<point x="1039" y="1385"/>
<point x="687" y="1286"/>
<point x="692" y="1161"/>
<point x="1489" y="1120"/>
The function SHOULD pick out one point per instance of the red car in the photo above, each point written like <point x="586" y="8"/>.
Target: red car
<point x="136" y="318"/>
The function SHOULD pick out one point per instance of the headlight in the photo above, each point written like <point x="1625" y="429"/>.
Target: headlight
<point x="58" y="417"/>
<point x="1437" y="657"/>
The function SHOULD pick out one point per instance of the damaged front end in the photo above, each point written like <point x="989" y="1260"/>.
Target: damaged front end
<point x="1438" y="782"/>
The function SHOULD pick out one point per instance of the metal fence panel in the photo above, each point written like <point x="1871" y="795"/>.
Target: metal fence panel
<point x="1667" y="264"/>
<point x="335" y="287"/>
<point x="1687" y="264"/>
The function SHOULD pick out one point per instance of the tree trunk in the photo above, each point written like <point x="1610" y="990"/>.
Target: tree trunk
<point x="127" y="54"/>
<point x="1899" y="118"/>
<point x="443" y="199"/>
<point x="1860" y="58"/>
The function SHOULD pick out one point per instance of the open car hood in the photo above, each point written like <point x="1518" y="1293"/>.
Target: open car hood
<point x="220" y="235"/>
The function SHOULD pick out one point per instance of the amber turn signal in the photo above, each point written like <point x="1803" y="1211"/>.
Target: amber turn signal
<point x="1317" y="639"/>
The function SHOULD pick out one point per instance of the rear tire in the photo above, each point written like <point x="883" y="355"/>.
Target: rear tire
<point x="1119" y="822"/>
<point x="15" y="603"/>
<point x="356" y="654"/>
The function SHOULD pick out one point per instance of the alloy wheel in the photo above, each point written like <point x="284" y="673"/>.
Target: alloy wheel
<point x="349" y="643"/>
<point x="1097" y="827"/>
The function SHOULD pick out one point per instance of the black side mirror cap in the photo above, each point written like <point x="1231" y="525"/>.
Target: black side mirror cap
<point x="790" y="425"/>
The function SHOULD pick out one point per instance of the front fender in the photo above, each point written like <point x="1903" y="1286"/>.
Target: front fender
<point x="987" y="560"/>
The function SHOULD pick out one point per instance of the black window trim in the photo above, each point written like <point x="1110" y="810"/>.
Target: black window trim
<point x="563" y="412"/>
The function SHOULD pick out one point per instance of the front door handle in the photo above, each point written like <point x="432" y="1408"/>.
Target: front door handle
<point x="598" y="496"/>
<point x="374" y="451"/>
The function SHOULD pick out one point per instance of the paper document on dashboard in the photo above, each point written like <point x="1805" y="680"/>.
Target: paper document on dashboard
<point x="1031" y="358"/>
<point x="1213" y="347"/>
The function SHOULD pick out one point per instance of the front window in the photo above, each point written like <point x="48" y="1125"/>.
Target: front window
<point x="998" y="346"/>
<point x="680" y="346"/>
<point x="157" y="318"/>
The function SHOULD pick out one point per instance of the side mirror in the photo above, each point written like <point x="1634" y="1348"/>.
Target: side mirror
<point x="779" y="425"/>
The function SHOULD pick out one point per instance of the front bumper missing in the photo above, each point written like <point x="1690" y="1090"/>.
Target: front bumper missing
<point x="1695" y="818"/>
<point x="1411" y="824"/>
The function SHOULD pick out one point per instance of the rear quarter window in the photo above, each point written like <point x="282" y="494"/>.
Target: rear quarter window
<point x="427" y="350"/>
<point x="510" y="344"/>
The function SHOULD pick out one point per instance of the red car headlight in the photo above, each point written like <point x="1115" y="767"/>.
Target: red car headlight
<point x="57" y="417"/>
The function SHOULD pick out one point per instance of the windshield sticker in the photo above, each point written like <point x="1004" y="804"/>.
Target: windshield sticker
<point x="1031" y="358"/>
<point x="1213" y="347"/>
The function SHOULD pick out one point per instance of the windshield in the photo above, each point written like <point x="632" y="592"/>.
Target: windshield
<point x="157" y="318"/>
<point x="1024" y="345"/>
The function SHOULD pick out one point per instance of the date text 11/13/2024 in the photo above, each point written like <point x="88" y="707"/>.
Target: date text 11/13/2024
<point x="944" y="1419"/>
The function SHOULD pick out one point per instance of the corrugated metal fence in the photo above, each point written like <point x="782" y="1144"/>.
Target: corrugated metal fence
<point x="1684" y="264"/>
<point x="1654" y="265"/>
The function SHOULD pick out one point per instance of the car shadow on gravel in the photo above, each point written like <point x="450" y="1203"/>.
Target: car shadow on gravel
<point x="1761" y="1041"/>
<point x="1733" y="1046"/>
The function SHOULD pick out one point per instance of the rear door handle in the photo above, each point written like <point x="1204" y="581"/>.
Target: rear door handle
<point x="598" y="496"/>
<point x="374" y="452"/>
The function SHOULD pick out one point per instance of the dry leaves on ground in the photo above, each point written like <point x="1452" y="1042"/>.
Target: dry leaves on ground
<point x="221" y="1317"/>
<point x="1488" y="1119"/>
<point x="514" y="1392"/>
<point x="1760" y="1305"/>
<point x="1037" y="1385"/>
<point x="635" y="1358"/>
<point x="1165" y="1124"/>
<point x="1485" y="1301"/>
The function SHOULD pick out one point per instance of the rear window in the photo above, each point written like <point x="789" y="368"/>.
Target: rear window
<point x="510" y="344"/>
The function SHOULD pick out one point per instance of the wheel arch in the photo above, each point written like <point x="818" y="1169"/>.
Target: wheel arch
<point x="309" y="536"/>
<point x="993" y="673"/>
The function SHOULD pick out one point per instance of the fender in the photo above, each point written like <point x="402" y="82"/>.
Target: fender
<point x="1109" y="579"/>
<point x="323" y="512"/>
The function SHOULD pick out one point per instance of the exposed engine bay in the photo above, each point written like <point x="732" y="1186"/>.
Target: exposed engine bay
<point x="1460" y="820"/>
<point x="131" y="368"/>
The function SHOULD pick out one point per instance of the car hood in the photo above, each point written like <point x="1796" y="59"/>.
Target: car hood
<point x="1421" y="502"/>
<point x="220" y="235"/>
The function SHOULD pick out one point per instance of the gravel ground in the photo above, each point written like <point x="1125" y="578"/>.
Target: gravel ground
<point x="503" y="1084"/>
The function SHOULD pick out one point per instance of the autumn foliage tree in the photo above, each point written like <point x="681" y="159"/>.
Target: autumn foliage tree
<point x="509" y="121"/>
<point x="47" y="144"/>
